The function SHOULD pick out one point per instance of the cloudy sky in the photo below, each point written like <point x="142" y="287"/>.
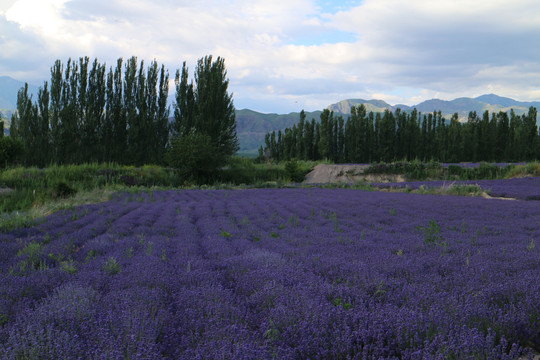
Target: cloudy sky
<point x="284" y="56"/>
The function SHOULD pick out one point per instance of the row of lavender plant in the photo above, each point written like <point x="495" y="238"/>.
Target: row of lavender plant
<point x="526" y="188"/>
<point x="274" y="273"/>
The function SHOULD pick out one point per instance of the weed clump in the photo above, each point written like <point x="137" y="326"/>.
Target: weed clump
<point x="63" y="190"/>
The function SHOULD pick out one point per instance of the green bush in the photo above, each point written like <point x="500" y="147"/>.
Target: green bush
<point x="293" y="171"/>
<point x="11" y="150"/>
<point x="63" y="190"/>
<point x="488" y="171"/>
<point x="454" y="170"/>
<point x="416" y="170"/>
<point x="111" y="266"/>
<point x="194" y="157"/>
<point x="248" y="171"/>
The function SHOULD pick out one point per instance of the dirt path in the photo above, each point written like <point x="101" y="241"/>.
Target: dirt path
<point x="324" y="174"/>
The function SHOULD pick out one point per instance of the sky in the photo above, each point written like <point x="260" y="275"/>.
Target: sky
<point x="285" y="56"/>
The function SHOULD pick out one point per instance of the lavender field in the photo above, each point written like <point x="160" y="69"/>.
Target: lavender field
<point x="275" y="273"/>
<point x="525" y="188"/>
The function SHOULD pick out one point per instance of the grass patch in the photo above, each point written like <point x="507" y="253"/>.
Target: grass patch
<point x="18" y="219"/>
<point x="530" y="169"/>
<point x="416" y="170"/>
<point x="457" y="190"/>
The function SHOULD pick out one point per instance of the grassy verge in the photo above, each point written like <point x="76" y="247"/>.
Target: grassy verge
<point x="41" y="192"/>
<point x="28" y="217"/>
<point x="456" y="190"/>
<point x="416" y="170"/>
<point x="530" y="169"/>
<point x="35" y="193"/>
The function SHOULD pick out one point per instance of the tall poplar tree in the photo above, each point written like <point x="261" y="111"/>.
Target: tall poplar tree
<point x="204" y="110"/>
<point x="161" y="119"/>
<point x="216" y="115"/>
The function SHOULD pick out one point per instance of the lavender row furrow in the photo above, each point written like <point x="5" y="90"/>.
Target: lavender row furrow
<point x="275" y="273"/>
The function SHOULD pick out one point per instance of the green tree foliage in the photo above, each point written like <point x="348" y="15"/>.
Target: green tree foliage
<point x="89" y="115"/>
<point x="185" y="107"/>
<point x="367" y="138"/>
<point x="32" y="126"/>
<point x="11" y="151"/>
<point x="115" y="125"/>
<point x="193" y="155"/>
<point x="205" y="107"/>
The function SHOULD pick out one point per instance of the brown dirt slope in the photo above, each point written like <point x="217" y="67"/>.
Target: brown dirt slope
<point x="350" y="173"/>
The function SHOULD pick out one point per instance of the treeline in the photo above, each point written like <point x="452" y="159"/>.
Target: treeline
<point x="91" y="115"/>
<point x="395" y="136"/>
<point x="94" y="114"/>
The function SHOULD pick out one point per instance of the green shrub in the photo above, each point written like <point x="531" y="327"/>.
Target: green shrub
<point x="194" y="157"/>
<point x="111" y="266"/>
<point x="487" y="171"/>
<point x="247" y="171"/>
<point x="454" y="170"/>
<point x="11" y="151"/>
<point x="432" y="234"/>
<point x="63" y="190"/>
<point x="530" y="169"/>
<point x="293" y="171"/>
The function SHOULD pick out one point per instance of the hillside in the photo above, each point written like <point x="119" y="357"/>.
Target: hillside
<point x="9" y="88"/>
<point x="462" y="106"/>
<point x="252" y="126"/>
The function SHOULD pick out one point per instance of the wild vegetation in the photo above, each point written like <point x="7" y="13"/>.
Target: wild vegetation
<point x="31" y="192"/>
<point x="416" y="170"/>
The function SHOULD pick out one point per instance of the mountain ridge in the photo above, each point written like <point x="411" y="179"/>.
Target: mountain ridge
<point x="461" y="105"/>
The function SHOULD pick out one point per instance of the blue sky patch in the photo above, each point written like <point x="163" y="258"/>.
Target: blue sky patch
<point x="332" y="7"/>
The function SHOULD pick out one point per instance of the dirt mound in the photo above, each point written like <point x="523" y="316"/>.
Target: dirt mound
<point x="324" y="174"/>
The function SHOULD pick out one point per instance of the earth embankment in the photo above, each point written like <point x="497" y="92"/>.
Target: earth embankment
<point x="346" y="173"/>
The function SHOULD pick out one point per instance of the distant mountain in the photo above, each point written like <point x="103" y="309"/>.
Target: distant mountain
<point x="9" y="89"/>
<point x="493" y="99"/>
<point x="252" y="126"/>
<point x="462" y="106"/>
<point x="344" y="107"/>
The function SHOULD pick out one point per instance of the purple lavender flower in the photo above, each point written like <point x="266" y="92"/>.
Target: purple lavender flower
<point x="276" y="273"/>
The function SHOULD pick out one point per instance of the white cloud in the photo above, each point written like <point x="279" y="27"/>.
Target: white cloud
<point x="393" y="49"/>
<point x="42" y="16"/>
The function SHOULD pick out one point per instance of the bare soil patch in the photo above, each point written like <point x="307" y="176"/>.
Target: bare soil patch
<point x="348" y="173"/>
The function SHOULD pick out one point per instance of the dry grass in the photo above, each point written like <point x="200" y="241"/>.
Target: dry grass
<point x="81" y="198"/>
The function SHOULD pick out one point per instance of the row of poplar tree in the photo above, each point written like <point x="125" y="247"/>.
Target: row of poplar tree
<point x="395" y="136"/>
<point x="91" y="114"/>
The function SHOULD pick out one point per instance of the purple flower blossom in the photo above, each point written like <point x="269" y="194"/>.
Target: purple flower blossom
<point x="275" y="273"/>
